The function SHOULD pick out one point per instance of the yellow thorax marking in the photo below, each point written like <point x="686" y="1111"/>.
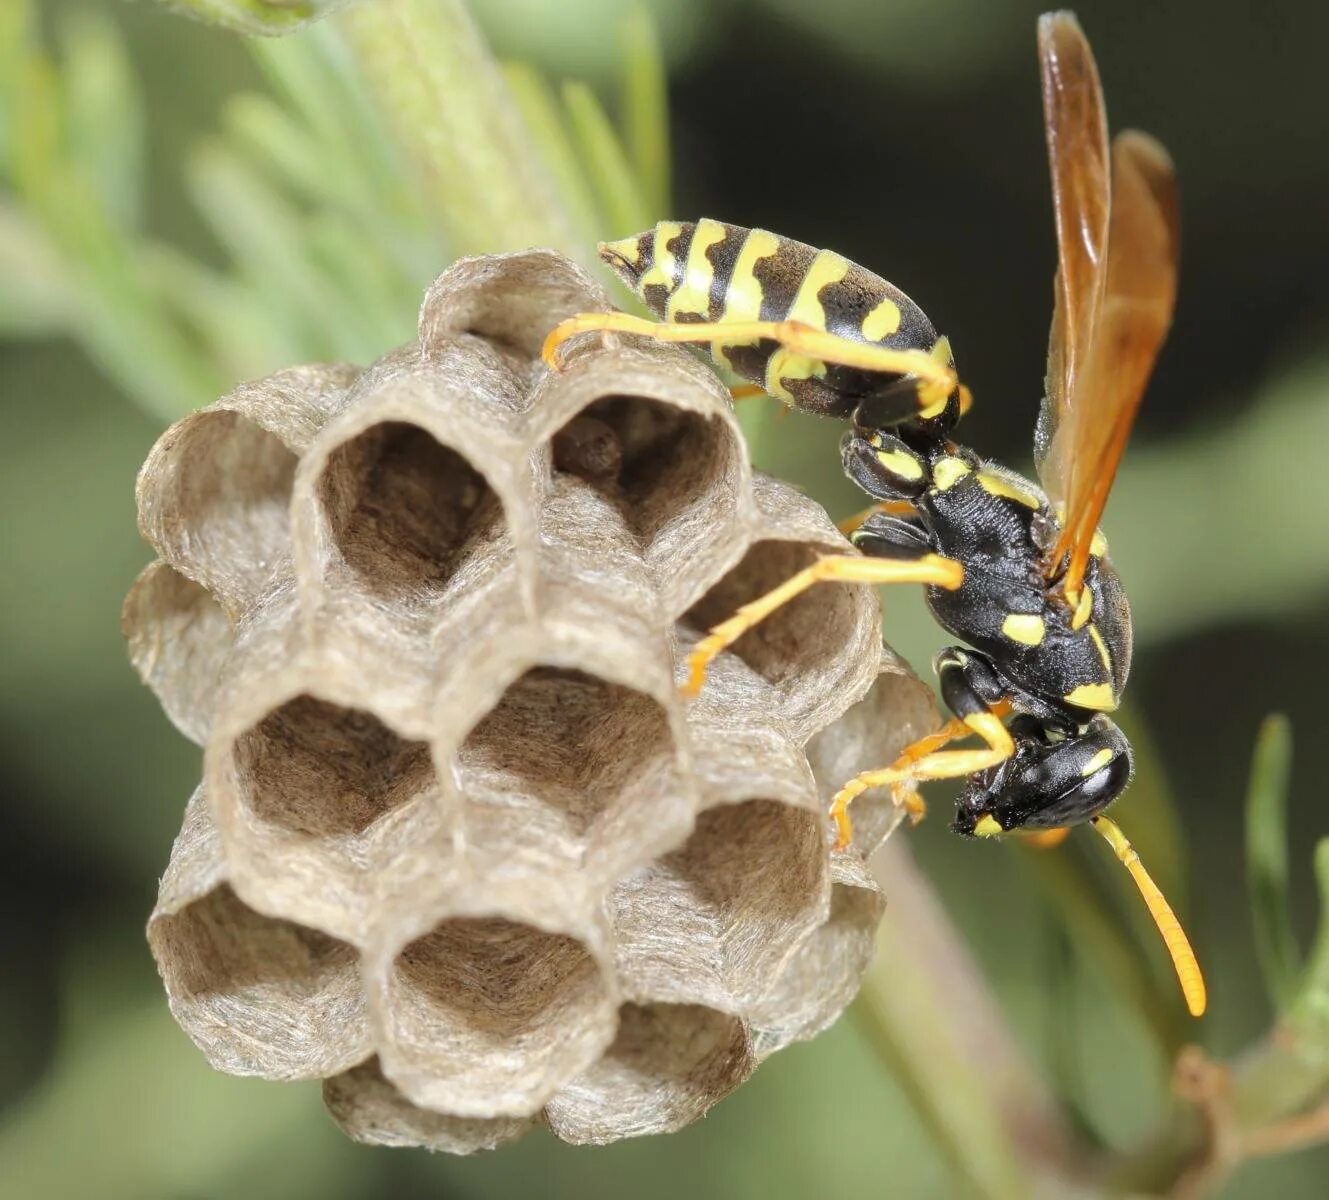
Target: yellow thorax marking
<point x="1101" y="646"/>
<point x="1097" y="763"/>
<point x="948" y="472"/>
<point x="1000" y="485"/>
<point x="1098" y="544"/>
<point x="882" y="321"/>
<point x="1096" y="696"/>
<point x="988" y="826"/>
<point x="1026" y="628"/>
<point x="905" y="465"/>
<point x="694" y="290"/>
<point x="1084" y="607"/>
<point x="663" y="263"/>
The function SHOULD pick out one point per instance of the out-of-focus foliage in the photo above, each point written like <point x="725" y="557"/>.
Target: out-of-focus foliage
<point x="184" y="243"/>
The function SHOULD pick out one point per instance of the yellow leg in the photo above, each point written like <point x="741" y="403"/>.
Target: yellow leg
<point x="747" y="391"/>
<point x="795" y="336"/>
<point x="842" y="568"/>
<point x="924" y="761"/>
<point x="1178" y="945"/>
<point x="899" y="508"/>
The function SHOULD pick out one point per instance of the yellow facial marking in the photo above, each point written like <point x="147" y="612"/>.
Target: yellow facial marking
<point x="882" y="321"/>
<point x="663" y="264"/>
<point x="906" y="466"/>
<point x="948" y="472"/>
<point x="1101" y="646"/>
<point x="629" y="250"/>
<point x="1096" y="696"/>
<point x="1000" y="485"/>
<point x="1097" y="763"/>
<point x="1026" y="628"/>
<point x="988" y="826"/>
<point x="1098" y="544"/>
<point x="694" y="290"/>
<point x="1083" y="609"/>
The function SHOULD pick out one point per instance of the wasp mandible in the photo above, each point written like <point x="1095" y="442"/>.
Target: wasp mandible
<point x="1019" y="573"/>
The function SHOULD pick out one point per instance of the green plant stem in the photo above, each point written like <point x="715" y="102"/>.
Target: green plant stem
<point x="437" y="86"/>
<point x="926" y="1011"/>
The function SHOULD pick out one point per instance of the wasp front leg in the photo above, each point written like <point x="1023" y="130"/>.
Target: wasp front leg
<point x="972" y="692"/>
<point x="841" y="568"/>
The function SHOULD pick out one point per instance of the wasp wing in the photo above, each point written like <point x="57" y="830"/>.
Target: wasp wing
<point x="1076" y="128"/>
<point x="1130" y="325"/>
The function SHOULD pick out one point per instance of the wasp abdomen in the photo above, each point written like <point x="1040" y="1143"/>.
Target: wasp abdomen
<point x="715" y="272"/>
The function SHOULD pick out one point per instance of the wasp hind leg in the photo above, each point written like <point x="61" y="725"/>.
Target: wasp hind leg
<point x="797" y="337"/>
<point x="841" y="568"/>
<point x="972" y="692"/>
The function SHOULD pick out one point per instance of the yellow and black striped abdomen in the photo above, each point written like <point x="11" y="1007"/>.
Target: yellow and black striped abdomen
<point x="711" y="271"/>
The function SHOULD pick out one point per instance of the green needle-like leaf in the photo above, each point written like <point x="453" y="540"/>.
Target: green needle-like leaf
<point x="540" y="110"/>
<point x="1266" y="859"/>
<point x="646" y="109"/>
<point x="625" y="209"/>
<point x="103" y="114"/>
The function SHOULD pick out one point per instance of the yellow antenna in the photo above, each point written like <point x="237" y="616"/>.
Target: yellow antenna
<point x="1174" y="937"/>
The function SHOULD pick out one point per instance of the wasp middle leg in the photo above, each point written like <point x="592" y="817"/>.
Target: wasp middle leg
<point x="842" y="568"/>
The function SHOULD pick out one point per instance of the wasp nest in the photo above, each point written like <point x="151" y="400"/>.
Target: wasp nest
<point x="459" y="849"/>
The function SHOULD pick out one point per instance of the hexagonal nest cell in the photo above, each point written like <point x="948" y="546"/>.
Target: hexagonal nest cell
<point x="315" y="768"/>
<point x="656" y="461"/>
<point x="259" y="995"/>
<point x="800" y="639"/>
<point x="405" y="510"/>
<point x="569" y="771"/>
<point x="483" y="1016"/>
<point x="749" y="885"/>
<point x="233" y="479"/>
<point x="667" y="1066"/>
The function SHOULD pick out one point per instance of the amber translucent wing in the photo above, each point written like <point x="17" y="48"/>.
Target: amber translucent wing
<point x="1131" y="322"/>
<point x="1076" y="130"/>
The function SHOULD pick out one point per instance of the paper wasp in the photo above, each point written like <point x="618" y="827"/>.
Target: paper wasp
<point x="1020" y="574"/>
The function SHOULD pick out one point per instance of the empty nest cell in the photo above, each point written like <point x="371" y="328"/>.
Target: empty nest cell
<point x="727" y="909"/>
<point x="404" y="510"/>
<point x="667" y="1066"/>
<point x="484" y="1016"/>
<point x="328" y="772"/>
<point x="369" y="1109"/>
<point x="260" y="996"/>
<point x="660" y="464"/>
<point x="800" y="643"/>
<point x="179" y="638"/>
<point x="215" y="499"/>
<point x="569" y="772"/>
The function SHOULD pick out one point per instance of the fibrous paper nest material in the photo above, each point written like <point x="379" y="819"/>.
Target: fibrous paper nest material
<point x="460" y="851"/>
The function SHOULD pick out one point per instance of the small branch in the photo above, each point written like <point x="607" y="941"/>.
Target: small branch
<point x="927" y="1010"/>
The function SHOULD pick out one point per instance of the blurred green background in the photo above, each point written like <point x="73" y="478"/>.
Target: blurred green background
<point x="907" y="135"/>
